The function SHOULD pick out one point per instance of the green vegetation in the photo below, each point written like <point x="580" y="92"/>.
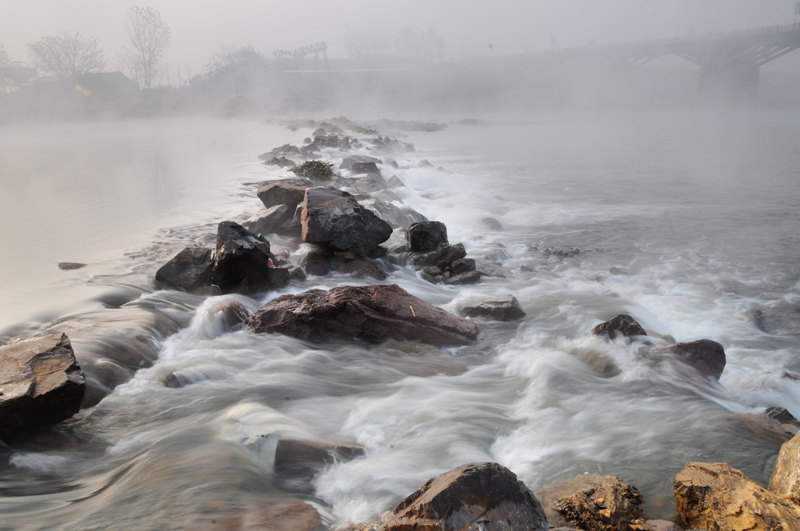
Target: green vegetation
<point x="315" y="169"/>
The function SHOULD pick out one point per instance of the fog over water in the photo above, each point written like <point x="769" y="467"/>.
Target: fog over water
<point x="611" y="192"/>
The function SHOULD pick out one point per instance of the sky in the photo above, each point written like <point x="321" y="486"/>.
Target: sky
<point x="199" y="27"/>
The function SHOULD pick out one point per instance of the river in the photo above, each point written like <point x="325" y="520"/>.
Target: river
<point x="686" y="220"/>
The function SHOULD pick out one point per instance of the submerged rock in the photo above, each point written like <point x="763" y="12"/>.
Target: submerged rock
<point x="505" y="308"/>
<point x="371" y="313"/>
<point x="189" y="269"/>
<point x="41" y="384"/>
<point x="717" y="497"/>
<point x="622" y="324"/>
<point x="707" y="356"/>
<point x="335" y="220"/>
<point x="297" y="457"/>
<point x="483" y="496"/>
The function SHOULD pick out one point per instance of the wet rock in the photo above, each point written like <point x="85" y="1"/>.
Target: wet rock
<point x="347" y="162"/>
<point x="623" y="325"/>
<point x="110" y="374"/>
<point x="296" y="457"/>
<point x="335" y="220"/>
<point x="281" y="162"/>
<point x="41" y="384"/>
<point x="707" y="356"/>
<point x="369" y="168"/>
<point x="426" y="236"/>
<point x="366" y="183"/>
<point x="775" y="425"/>
<point x="362" y="269"/>
<point x="505" y="308"/>
<point x="290" y="515"/>
<point x="241" y="262"/>
<point x="656" y="525"/>
<point x="188" y="270"/>
<point x="70" y="266"/>
<point x="396" y="216"/>
<point x="462" y="265"/>
<point x="594" y="503"/>
<point x="289" y="192"/>
<point x="757" y="318"/>
<point x="491" y="224"/>
<point x="785" y="480"/>
<point x="717" y="497"/>
<point x="483" y="496"/>
<point x="468" y="277"/>
<point x="395" y="182"/>
<point x="316" y="263"/>
<point x="371" y="313"/>
<point x="441" y="257"/>
<point x="274" y="220"/>
<point x="286" y="149"/>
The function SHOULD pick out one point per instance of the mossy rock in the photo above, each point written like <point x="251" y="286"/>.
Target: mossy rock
<point x="315" y="169"/>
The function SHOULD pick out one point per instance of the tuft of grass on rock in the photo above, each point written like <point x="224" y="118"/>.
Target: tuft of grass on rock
<point x="315" y="169"/>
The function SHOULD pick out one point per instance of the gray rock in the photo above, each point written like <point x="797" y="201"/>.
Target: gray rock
<point x="189" y="269"/>
<point x="622" y="324"/>
<point x="289" y="192"/>
<point x="274" y="220"/>
<point x="505" y="308"/>
<point x="241" y="262"/>
<point x="441" y="257"/>
<point x="426" y="236"/>
<point x="297" y="457"/>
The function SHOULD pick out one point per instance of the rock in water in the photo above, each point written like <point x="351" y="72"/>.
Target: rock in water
<point x="299" y="457"/>
<point x="334" y="219"/>
<point x="371" y="313"/>
<point x="483" y="496"/>
<point x="707" y="356"/>
<point x="426" y="236"/>
<point x="716" y="497"/>
<point x="241" y="262"/>
<point x="621" y="324"/>
<point x="594" y="503"/>
<point x="41" y="384"/>
<point x="506" y="308"/>
<point x="188" y="270"/>
<point x="785" y="480"/>
<point x="289" y="192"/>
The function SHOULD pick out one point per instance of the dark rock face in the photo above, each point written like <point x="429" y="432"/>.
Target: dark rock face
<point x="289" y="192"/>
<point x="70" y="266"/>
<point x="41" y="384"/>
<point x="441" y="257"/>
<point x="315" y="263"/>
<point x="371" y="313"/>
<point x="298" y="457"/>
<point x="274" y="220"/>
<point x="622" y="324"/>
<point x="188" y="270"/>
<point x="468" y="277"/>
<point x="370" y="168"/>
<point x="705" y="355"/>
<point x="594" y="503"/>
<point x="426" y="236"/>
<point x="362" y="269"/>
<point x="241" y="263"/>
<point x="483" y="496"/>
<point x="506" y="308"/>
<point x="347" y="162"/>
<point x="334" y="219"/>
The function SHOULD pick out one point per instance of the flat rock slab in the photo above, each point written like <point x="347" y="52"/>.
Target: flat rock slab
<point x="41" y="384"/>
<point x="484" y="496"/>
<point x="717" y="497"/>
<point x="371" y="313"/>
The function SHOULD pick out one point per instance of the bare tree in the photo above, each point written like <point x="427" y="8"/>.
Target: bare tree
<point x="5" y="59"/>
<point x="65" y="55"/>
<point x="229" y="57"/>
<point x="149" y="38"/>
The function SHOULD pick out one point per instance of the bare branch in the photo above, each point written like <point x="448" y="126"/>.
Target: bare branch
<point x="149" y="38"/>
<point x="66" y="55"/>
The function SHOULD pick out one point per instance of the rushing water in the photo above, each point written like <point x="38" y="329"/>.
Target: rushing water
<point x="685" y="220"/>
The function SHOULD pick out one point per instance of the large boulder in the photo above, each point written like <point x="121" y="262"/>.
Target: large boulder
<point x="483" y="496"/>
<point x="242" y="262"/>
<point x="504" y="308"/>
<point x="189" y="269"/>
<point x="426" y="236"/>
<point x="785" y="480"/>
<point x="371" y="313"/>
<point x="334" y="219"/>
<point x="716" y="497"/>
<point x="707" y="356"/>
<point x="41" y="384"/>
<point x="289" y="192"/>
<point x="624" y="325"/>
<point x="594" y="503"/>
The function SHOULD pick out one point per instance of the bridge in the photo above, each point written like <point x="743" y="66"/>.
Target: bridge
<point x="729" y="62"/>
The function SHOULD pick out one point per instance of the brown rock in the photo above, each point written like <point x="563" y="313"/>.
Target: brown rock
<point x="785" y="480"/>
<point x="291" y="515"/>
<point x="483" y="496"/>
<point x="289" y="192"/>
<point x="274" y="220"/>
<point x="707" y="356"/>
<point x="189" y="269"/>
<point x="303" y="457"/>
<point x="371" y="313"/>
<point x="506" y="308"/>
<point x="622" y="324"/>
<point x="716" y="497"/>
<point x="470" y="277"/>
<point x="362" y="269"/>
<point x="769" y="428"/>
<point x="41" y="384"/>
<point x="594" y="503"/>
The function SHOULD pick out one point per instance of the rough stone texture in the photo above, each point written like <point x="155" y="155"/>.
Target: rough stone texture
<point x="41" y="384"/>
<point x="289" y="192"/>
<point x="241" y="263"/>
<point x="362" y="269"/>
<point x="347" y="162"/>
<point x="189" y="269"/>
<point x="483" y="496"/>
<point x="396" y="216"/>
<point x="716" y="497"/>
<point x="334" y="219"/>
<point x="505" y="308"/>
<point x="426" y="236"/>
<point x="298" y="457"/>
<point x="707" y="356"/>
<point x="441" y="257"/>
<point x="371" y="313"/>
<point x="463" y="265"/>
<point x="316" y="263"/>
<point x="785" y="480"/>
<point x="469" y="277"/>
<point x="370" y="168"/>
<point x="775" y="425"/>
<point x="594" y="503"/>
<point x="622" y="324"/>
<point x="274" y="220"/>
